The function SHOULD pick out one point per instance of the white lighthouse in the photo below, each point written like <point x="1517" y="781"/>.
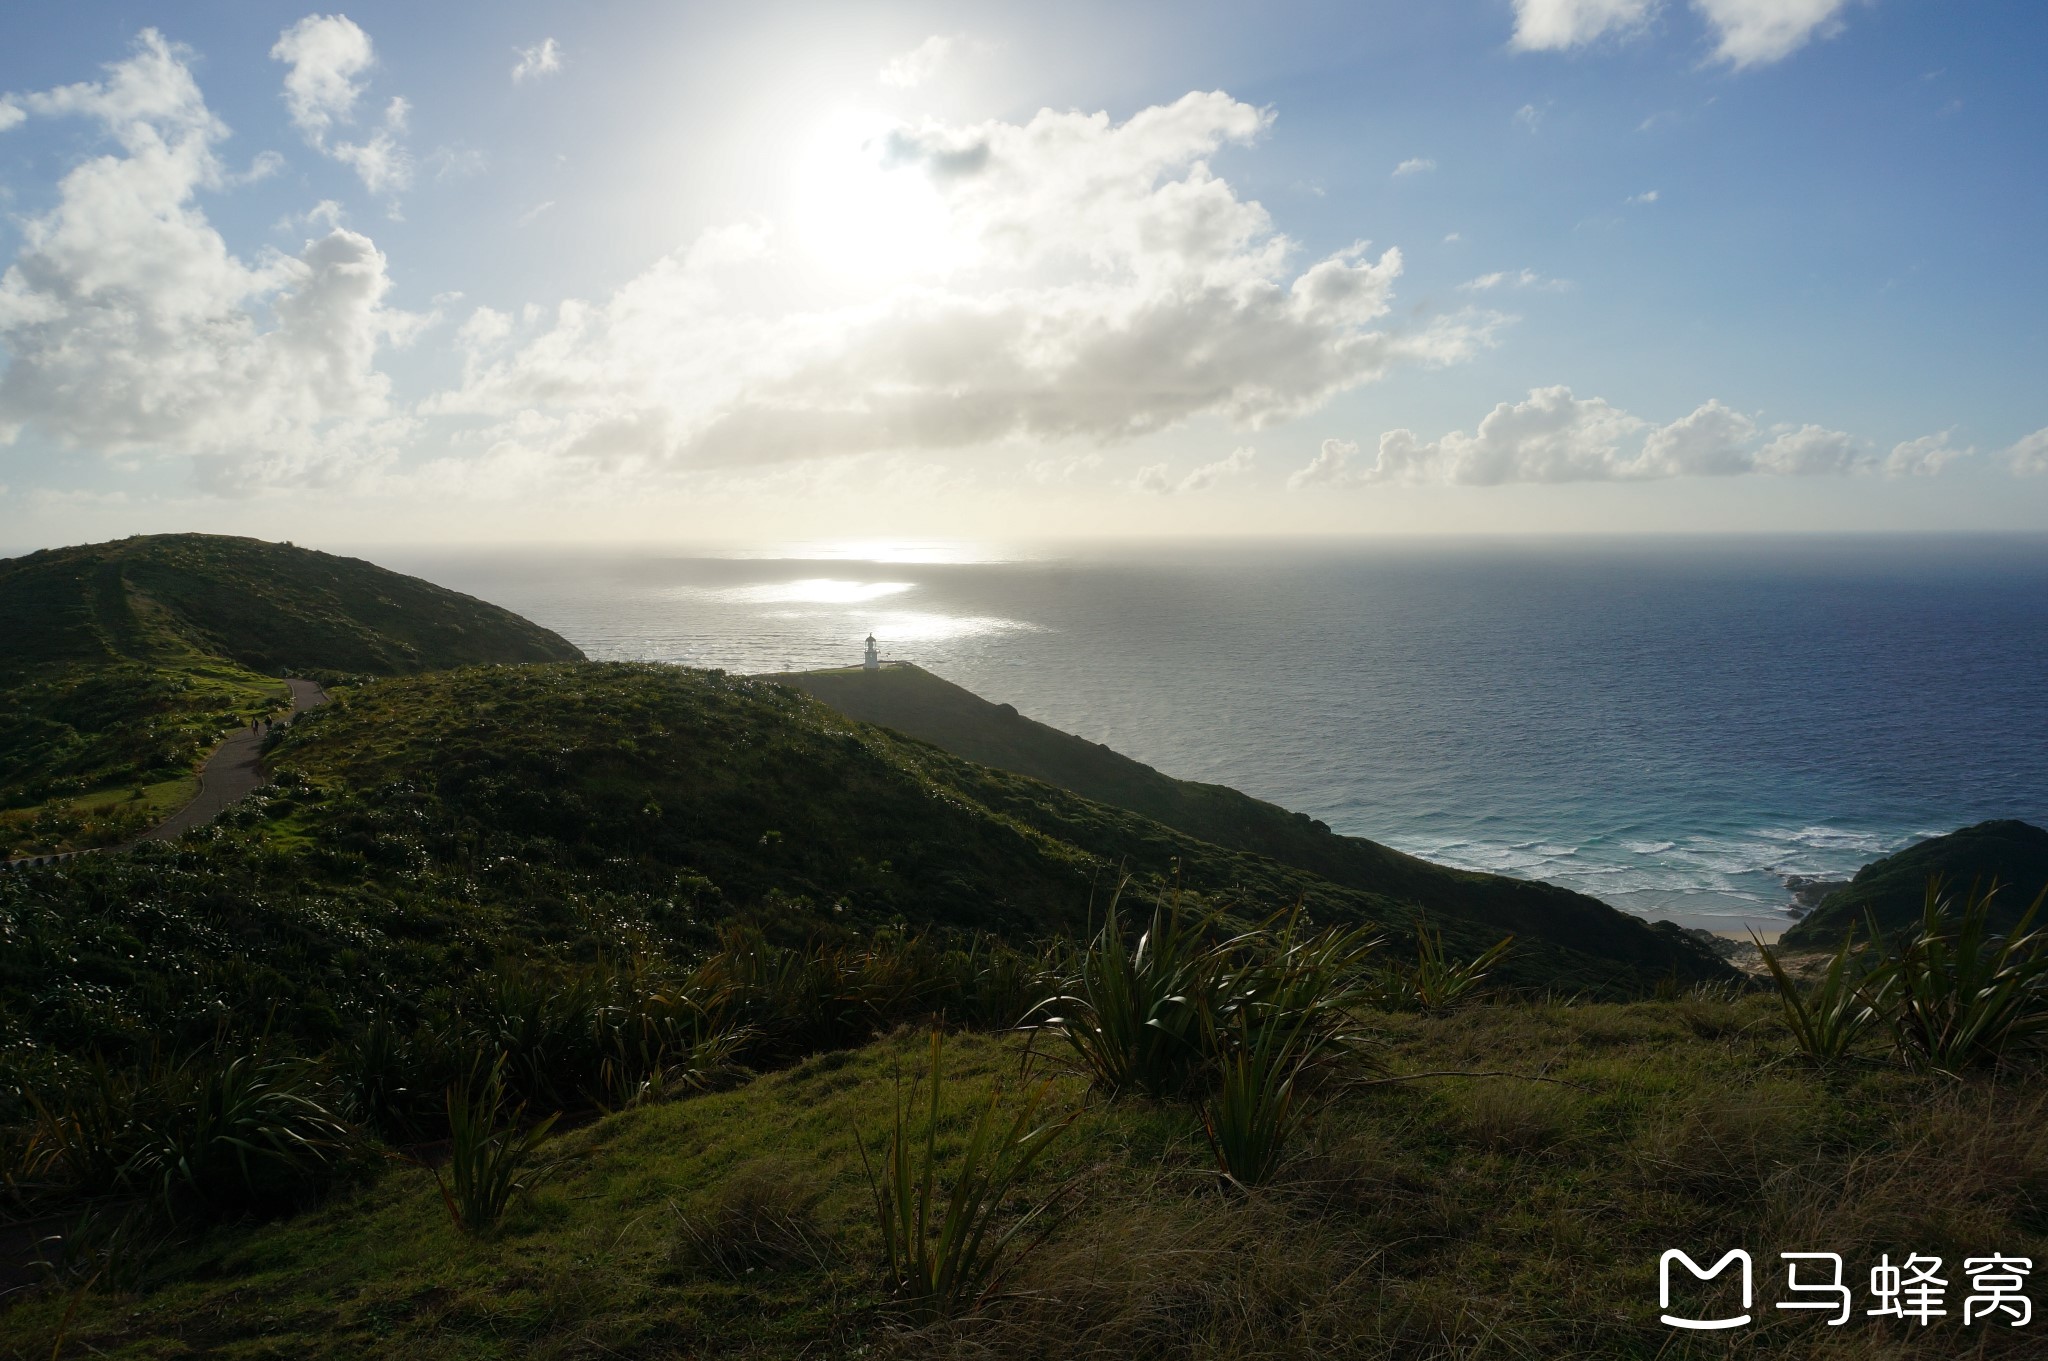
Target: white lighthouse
<point x="873" y="661"/>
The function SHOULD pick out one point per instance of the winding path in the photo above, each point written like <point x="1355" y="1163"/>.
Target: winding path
<point x="234" y="771"/>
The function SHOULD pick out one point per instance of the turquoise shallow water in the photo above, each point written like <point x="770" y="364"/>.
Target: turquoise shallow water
<point x="1673" y="726"/>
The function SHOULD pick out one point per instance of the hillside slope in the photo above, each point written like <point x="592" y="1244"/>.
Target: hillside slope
<point x="423" y="828"/>
<point x="915" y="702"/>
<point x="124" y="661"/>
<point x="165" y="598"/>
<point x="1893" y="890"/>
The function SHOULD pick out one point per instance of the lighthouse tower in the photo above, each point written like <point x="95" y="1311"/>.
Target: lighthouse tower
<point x="872" y="662"/>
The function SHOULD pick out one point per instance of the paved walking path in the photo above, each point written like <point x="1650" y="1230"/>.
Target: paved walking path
<point x="234" y="771"/>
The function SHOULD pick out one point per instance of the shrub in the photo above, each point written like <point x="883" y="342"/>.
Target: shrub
<point x="207" y="1134"/>
<point x="1957" y="996"/>
<point x="1829" y="1017"/>
<point x="1256" y="1108"/>
<point x="488" y="1165"/>
<point x="1437" y="982"/>
<point x="945" y="1253"/>
<point x="1132" y="1014"/>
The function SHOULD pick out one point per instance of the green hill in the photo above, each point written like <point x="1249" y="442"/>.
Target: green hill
<point x="169" y="598"/>
<point x="915" y="702"/>
<point x="125" y="661"/>
<point x="1893" y="890"/>
<point x="423" y="828"/>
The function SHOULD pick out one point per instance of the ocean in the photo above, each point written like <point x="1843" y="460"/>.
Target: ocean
<point x="1676" y="726"/>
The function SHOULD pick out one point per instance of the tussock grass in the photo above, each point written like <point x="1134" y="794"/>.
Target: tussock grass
<point x="763" y="1216"/>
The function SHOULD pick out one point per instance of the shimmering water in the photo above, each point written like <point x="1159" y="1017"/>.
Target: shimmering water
<point x="1673" y="726"/>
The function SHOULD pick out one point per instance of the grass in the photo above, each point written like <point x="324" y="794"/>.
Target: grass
<point x="1456" y="1218"/>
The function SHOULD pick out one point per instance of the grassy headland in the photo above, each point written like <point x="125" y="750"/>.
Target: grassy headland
<point x="126" y="661"/>
<point x="284" y="1086"/>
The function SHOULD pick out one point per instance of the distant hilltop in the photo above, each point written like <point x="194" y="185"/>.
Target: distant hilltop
<point x="169" y="598"/>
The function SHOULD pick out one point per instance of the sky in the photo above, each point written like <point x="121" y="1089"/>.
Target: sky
<point x="653" y="273"/>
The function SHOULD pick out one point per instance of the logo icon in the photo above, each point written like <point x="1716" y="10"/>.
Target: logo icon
<point x="1704" y="1274"/>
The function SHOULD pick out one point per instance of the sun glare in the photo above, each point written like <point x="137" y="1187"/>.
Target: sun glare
<point x="862" y="217"/>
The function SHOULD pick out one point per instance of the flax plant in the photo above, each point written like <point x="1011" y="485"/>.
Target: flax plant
<point x="1957" y="996"/>
<point x="1132" y="1014"/>
<point x="488" y="1166"/>
<point x="946" y="1253"/>
<point x="1828" y="1018"/>
<point x="1437" y="982"/>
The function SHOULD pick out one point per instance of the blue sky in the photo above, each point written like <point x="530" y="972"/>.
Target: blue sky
<point x="688" y="274"/>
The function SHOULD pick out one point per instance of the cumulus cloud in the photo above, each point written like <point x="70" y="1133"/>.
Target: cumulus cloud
<point x="129" y="326"/>
<point x="1554" y="436"/>
<point x="11" y="114"/>
<point x="913" y="68"/>
<point x="2030" y="455"/>
<point x="1757" y="32"/>
<point x="1923" y="457"/>
<point x="329" y="58"/>
<point x="1555" y="25"/>
<point x="1117" y="287"/>
<point x="1415" y="165"/>
<point x="543" y="59"/>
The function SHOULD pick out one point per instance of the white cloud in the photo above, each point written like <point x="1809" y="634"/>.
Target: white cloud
<point x="1117" y="288"/>
<point x="1647" y="196"/>
<point x="910" y="69"/>
<point x="11" y="114"/>
<point x="1811" y="451"/>
<point x="1048" y="471"/>
<point x="329" y="58"/>
<point x="1556" y="437"/>
<point x="129" y="326"/>
<point x="532" y="214"/>
<point x="544" y="59"/>
<point x="2030" y="455"/>
<point x="1514" y="278"/>
<point x="1555" y="25"/>
<point x="1923" y="457"/>
<point x="328" y="55"/>
<point x="1756" y="32"/>
<point x="1529" y="116"/>
<point x="1415" y="165"/>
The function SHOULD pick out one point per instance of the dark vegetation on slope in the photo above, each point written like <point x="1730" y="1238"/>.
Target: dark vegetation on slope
<point x="422" y="829"/>
<point x="125" y="661"/>
<point x="1891" y="891"/>
<point x="921" y="705"/>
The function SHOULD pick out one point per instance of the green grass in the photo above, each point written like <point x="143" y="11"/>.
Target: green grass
<point x="1450" y="1218"/>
